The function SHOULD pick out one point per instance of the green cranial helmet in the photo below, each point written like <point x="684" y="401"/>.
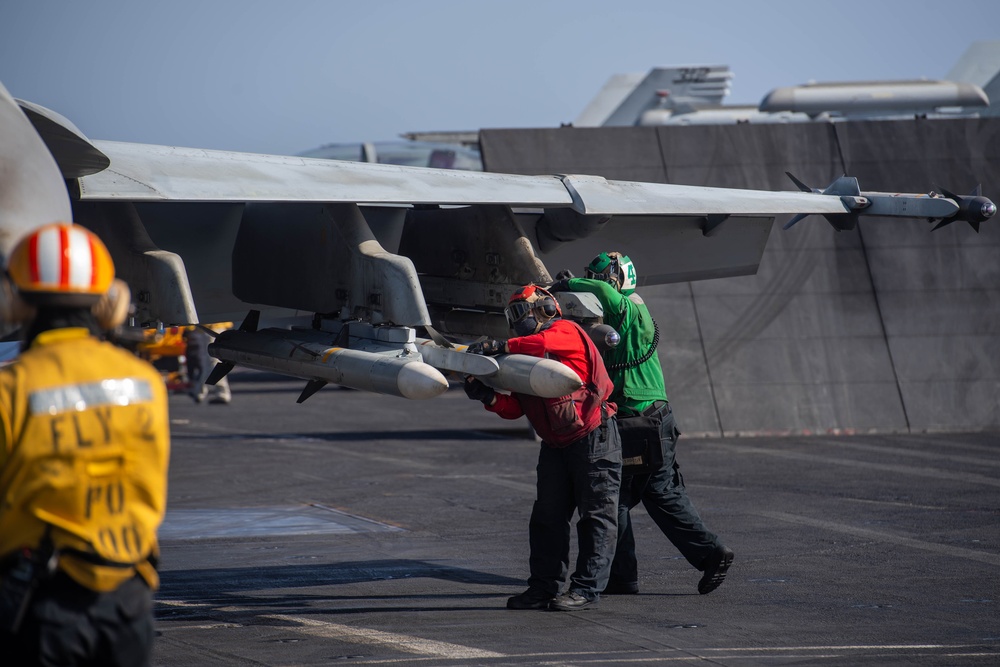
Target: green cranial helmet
<point x="615" y="269"/>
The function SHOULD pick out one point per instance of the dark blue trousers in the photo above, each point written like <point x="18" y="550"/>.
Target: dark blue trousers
<point x="667" y="503"/>
<point x="584" y="477"/>
<point x="70" y="625"/>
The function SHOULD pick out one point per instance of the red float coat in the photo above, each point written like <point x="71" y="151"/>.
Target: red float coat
<point x="560" y="421"/>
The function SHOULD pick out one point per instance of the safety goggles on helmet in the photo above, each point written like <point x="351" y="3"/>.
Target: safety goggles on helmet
<point x="615" y="269"/>
<point x="517" y="311"/>
<point x="604" y="267"/>
<point x="605" y="275"/>
<point x="528" y="299"/>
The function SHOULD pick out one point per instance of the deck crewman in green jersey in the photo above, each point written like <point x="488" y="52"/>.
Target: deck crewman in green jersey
<point x="641" y="396"/>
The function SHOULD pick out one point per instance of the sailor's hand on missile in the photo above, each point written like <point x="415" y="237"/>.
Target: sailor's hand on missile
<point x="562" y="281"/>
<point x="559" y="286"/>
<point x="478" y="391"/>
<point x="488" y="347"/>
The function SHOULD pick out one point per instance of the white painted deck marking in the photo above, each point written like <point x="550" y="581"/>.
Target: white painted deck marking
<point x="428" y="647"/>
<point x="882" y="536"/>
<point x="727" y="653"/>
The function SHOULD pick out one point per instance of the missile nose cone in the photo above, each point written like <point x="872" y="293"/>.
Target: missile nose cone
<point x="551" y="378"/>
<point x="418" y="381"/>
<point x="525" y="374"/>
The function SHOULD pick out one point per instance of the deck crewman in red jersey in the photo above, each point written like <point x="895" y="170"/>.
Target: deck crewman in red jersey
<point x="580" y="461"/>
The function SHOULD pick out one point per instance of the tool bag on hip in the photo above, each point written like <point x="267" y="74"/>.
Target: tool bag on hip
<point x="641" y="451"/>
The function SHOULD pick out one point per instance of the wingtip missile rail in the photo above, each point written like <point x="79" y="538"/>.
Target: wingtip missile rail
<point x="943" y="208"/>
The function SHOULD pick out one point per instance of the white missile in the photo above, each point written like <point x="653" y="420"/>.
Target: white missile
<point x="519" y="373"/>
<point x="456" y="360"/>
<point x="537" y="376"/>
<point x="386" y="369"/>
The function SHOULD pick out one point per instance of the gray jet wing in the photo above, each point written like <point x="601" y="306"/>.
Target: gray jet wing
<point x="365" y="254"/>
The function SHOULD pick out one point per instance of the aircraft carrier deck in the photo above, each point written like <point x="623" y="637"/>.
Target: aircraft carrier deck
<point x="361" y="529"/>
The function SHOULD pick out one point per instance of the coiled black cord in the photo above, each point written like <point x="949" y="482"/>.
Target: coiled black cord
<point x="625" y="365"/>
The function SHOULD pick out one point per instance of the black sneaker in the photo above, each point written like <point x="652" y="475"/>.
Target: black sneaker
<point x="571" y="602"/>
<point x="622" y="588"/>
<point x="716" y="566"/>
<point x="533" y="598"/>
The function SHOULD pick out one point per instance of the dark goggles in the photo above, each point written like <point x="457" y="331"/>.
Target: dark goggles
<point x="517" y="311"/>
<point x="604" y="275"/>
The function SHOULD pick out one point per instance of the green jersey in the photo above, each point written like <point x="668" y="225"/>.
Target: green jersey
<point x="636" y="387"/>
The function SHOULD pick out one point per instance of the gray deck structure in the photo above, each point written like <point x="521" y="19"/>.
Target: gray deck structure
<point x="886" y="328"/>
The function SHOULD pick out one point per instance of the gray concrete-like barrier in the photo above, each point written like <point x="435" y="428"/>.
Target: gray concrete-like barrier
<point x="884" y="328"/>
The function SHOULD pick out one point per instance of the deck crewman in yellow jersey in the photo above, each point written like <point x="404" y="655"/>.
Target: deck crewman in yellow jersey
<point x="84" y="447"/>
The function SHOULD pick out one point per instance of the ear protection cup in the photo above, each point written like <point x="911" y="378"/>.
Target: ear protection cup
<point x="548" y="307"/>
<point x="112" y="309"/>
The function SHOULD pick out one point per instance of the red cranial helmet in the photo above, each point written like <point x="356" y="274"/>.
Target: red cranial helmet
<point x="530" y="308"/>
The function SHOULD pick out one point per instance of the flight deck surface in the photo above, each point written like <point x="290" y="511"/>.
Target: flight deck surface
<point x="360" y="529"/>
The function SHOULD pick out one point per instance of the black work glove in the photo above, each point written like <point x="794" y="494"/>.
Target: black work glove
<point x="488" y="347"/>
<point x="560" y="286"/>
<point x="565" y="274"/>
<point x="478" y="391"/>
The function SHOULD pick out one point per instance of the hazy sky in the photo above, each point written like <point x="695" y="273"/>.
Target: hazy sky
<point x="283" y="77"/>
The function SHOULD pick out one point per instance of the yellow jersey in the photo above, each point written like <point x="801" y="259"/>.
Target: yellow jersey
<point x="84" y="450"/>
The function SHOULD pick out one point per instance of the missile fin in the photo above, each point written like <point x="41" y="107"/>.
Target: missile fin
<point x="791" y="222"/>
<point x="311" y="388"/>
<point x="799" y="184"/>
<point x="436" y="336"/>
<point x="251" y="321"/>
<point x="220" y="371"/>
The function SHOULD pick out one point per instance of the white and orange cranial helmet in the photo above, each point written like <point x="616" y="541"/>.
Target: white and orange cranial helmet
<point x="61" y="264"/>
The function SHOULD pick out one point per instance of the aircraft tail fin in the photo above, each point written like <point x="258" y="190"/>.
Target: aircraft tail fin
<point x="980" y="65"/>
<point x="625" y="97"/>
<point x="608" y="99"/>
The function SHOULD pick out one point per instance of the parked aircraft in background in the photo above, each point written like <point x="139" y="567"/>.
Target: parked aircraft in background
<point x="438" y="155"/>
<point x="693" y="95"/>
<point x="364" y="257"/>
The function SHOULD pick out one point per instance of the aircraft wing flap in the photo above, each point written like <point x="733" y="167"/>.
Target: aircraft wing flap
<point x="141" y="172"/>
<point x="598" y="196"/>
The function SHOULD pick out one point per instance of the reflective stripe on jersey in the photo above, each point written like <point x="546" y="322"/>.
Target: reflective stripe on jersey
<point x="79" y="397"/>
